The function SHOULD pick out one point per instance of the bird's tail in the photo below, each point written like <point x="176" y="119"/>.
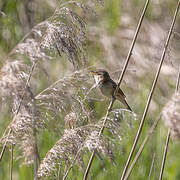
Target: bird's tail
<point x="123" y="101"/>
<point x="127" y="105"/>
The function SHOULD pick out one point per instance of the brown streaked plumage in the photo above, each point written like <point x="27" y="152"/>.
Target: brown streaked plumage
<point x="108" y="86"/>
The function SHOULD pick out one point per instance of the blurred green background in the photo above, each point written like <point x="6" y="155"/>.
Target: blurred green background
<point x="109" y="33"/>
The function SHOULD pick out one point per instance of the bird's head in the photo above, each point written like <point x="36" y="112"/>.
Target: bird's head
<point x="100" y="75"/>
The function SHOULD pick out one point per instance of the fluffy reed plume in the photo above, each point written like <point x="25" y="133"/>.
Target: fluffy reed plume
<point x="21" y="129"/>
<point x="171" y="115"/>
<point x="70" y="120"/>
<point x="66" y="93"/>
<point x="119" y="122"/>
<point x="29" y="149"/>
<point x="65" y="150"/>
<point x="99" y="144"/>
<point x="32" y="49"/>
<point x="62" y="152"/>
<point x="64" y="32"/>
<point x="12" y="79"/>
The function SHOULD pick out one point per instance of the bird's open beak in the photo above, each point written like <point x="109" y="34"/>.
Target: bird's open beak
<point x="94" y="72"/>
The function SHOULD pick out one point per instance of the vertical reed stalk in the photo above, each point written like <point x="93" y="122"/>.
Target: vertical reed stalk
<point x="152" y="165"/>
<point x="36" y="156"/>
<point x="11" y="165"/>
<point x="165" y="154"/>
<point x="72" y="164"/>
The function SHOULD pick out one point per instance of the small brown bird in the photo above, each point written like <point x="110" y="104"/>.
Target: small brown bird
<point x="108" y="86"/>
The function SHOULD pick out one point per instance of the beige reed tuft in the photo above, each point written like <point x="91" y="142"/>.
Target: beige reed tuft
<point x="171" y="115"/>
<point x="67" y="147"/>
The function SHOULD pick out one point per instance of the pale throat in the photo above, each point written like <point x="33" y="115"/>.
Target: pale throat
<point x="97" y="79"/>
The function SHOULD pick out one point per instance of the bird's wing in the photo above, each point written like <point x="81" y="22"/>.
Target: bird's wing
<point x="115" y="85"/>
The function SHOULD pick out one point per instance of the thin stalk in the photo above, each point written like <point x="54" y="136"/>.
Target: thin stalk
<point x="72" y="164"/>
<point x="150" y="95"/>
<point x="89" y="166"/>
<point x="59" y="173"/>
<point x="150" y="132"/>
<point x="152" y="165"/>
<point x="164" y="155"/>
<point x="4" y="147"/>
<point x="36" y="153"/>
<point x="36" y="156"/>
<point x="11" y="165"/>
<point x="118" y="84"/>
<point x="178" y="80"/>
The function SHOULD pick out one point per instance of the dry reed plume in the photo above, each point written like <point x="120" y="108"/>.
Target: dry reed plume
<point x="171" y="115"/>
<point x="64" y="151"/>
